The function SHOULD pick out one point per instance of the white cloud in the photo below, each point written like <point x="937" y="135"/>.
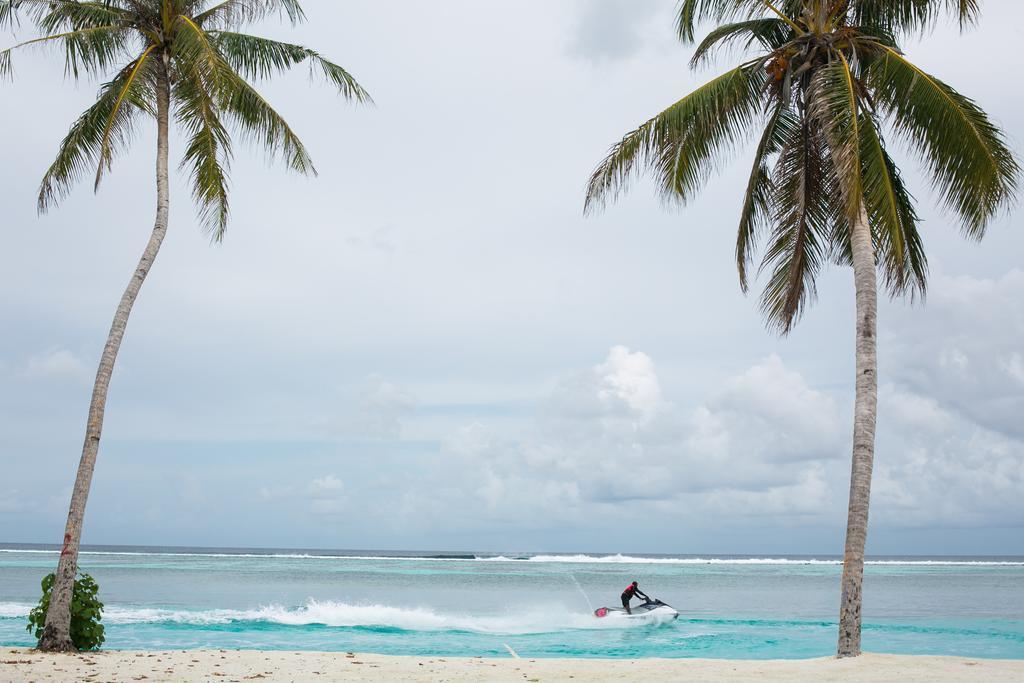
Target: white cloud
<point x="911" y="411"/>
<point x="767" y="444"/>
<point x="950" y="446"/>
<point x="808" y="495"/>
<point x="968" y="475"/>
<point x="770" y="409"/>
<point x="629" y="377"/>
<point x="964" y="350"/>
<point x="608" y="438"/>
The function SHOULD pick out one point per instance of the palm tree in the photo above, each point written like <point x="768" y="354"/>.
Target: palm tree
<point x="168" y="57"/>
<point x="825" y="76"/>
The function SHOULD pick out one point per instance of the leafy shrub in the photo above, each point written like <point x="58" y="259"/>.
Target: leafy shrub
<point x="86" y="613"/>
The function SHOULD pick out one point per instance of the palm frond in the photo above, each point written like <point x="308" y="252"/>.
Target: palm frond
<point x="834" y="104"/>
<point x="63" y="16"/>
<point x="756" y="213"/>
<point x="194" y="52"/>
<point x="207" y="152"/>
<point x="259" y="123"/>
<point x="12" y="10"/>
<point x="239" y="101"/>
<point x="231" y="13"/>
<point x="185" y="45"/>
<point x="692" y="13"/>
<point x="9" y="13"/>
<point x="770" y="33"/>
<point x="255" y="57"/>
<point x="681" y="144"/>
<point x="891" y="215"/>
<point x="124" y="108"/>
<point x="80" y="150"/>
<point x="911" y="15"/>
<point x="965" y="154"/>
<point x="804" y="179"/>
<point x="90" y="49"/>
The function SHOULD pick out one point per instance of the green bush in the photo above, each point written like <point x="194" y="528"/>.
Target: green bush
<point x="86" y="613"/>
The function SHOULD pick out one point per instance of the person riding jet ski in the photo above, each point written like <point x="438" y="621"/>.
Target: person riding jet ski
<point x="632" y="590"/>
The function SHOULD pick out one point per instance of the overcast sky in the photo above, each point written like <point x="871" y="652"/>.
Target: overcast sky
<point x="429" y="346"/>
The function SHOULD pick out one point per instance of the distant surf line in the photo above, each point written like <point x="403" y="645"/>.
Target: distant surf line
<point x="544" y="558"/>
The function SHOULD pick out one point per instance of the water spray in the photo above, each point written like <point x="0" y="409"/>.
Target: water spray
<point x="585" y="596"/>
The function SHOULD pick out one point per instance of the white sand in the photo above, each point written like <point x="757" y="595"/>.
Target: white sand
<point x="18" y="665"/>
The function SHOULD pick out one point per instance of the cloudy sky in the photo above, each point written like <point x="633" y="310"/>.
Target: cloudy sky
<point x="429" y="346"/>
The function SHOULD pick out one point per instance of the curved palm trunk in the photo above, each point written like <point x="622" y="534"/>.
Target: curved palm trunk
<point x="863" y="437"/>
<point x="57" y="631"/>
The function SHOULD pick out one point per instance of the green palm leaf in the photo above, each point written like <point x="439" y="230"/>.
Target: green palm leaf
<point x="891" y="215"/>
<point x="234" y="12"/>
<point x="965" y="154"/>
<point x="770" y="33"/>
<point x="133" y="91"/>
<point x="82" y="148"/>
<point x="260" y="124"/>
<point x="207" y="153"/>
<point x="61" y="16"/>
<point x="757" y="200"/>
<point x="236" y="99"/>
<point x="834" y="105"/>
<point x="911" y="15"/>
<point x="694" y="12"/>
<point x="207" y="65"/>
<point x="681" y="144"/>
<point x="92" y="49"/>
<point x="804" y="180"/>
<point x="255" y="57"/>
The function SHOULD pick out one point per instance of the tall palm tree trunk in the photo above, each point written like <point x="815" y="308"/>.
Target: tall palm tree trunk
<point x="865" y="411"/>
<point x="57" y="631"/>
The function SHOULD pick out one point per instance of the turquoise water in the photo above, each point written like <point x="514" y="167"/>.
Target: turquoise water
<point x="540" y="606"/>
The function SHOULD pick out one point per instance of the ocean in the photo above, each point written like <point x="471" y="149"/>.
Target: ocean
<point x="538" y="605"/>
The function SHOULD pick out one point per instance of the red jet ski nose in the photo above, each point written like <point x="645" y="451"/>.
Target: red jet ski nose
<point x="601" y="612"/>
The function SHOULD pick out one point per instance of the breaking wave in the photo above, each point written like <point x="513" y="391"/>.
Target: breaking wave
<point x="14" y="610"/>
<point x="629" y="559"/>
<point x="549" y="558"/>
<point x="339" y="614"/>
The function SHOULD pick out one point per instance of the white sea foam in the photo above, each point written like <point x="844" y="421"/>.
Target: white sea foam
<point x="14" y="610"/>
<point x="629" y="559"/>
<point x="137" y="553"/>
<point x="339" y="614"/>
<point x="551" y="559"/>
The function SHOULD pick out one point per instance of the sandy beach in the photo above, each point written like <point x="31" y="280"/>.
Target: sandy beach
<point x="17" y="665"/>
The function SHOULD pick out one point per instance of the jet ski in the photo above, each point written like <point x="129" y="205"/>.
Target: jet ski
<point x="653" y="610"/>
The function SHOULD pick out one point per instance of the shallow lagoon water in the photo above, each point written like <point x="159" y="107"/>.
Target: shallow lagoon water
<point x="538" y="605"/>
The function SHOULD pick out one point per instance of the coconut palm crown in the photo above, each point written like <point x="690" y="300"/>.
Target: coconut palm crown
<point x="826" y="85"/>
<point x="208" y="65"/>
